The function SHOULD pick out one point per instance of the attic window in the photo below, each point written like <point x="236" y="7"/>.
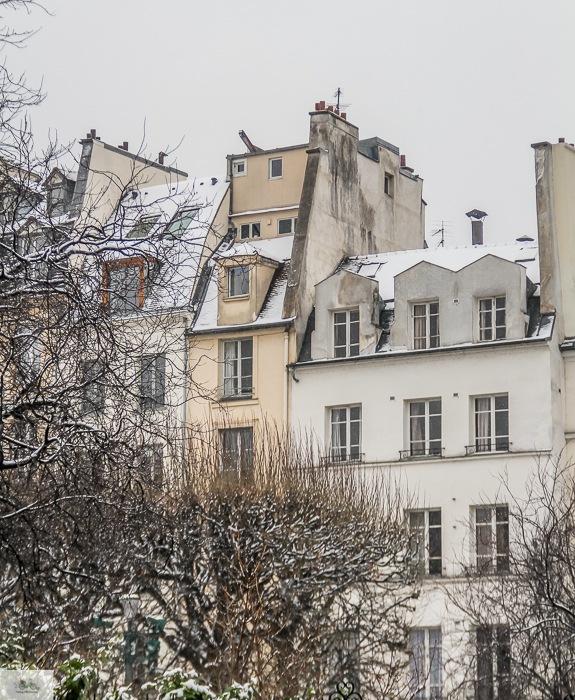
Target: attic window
<point x="276" y="168"/>
<point x="179" y="224"/>
<point x="143" y="227"/>
<point x="239" y="168"/>
<point x="238" y="281"/>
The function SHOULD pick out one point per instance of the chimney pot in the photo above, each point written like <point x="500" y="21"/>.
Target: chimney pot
<point x="561" y="140"/>
<point x="93" y="133"/>
<point x="344" y="115"/>
<point x="330" y="108"/>
<point x="161" y="155"/>
<point x="402" y="161"/>
<point x="125" y="145"/>
<point x="319" y="106"/>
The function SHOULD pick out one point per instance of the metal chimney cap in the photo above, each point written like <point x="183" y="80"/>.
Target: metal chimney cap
<point x="476" y="214"/>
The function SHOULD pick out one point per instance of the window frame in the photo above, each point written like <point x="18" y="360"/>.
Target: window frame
<point x="250" y="227"/>
<point x="146" y="220"/>
<point x="497" y="539"/>
<point x="494" y="327"/>
<point x="348" y="346"/>
<point x="293" y="220"/>
<point x="270" y="168"/>
<point x="239" y="391"/>
<point x="430" y="664"/>
<point x="494" y="441"/>
<point x="244" y="458"/>
<point x="429" y="341"/>
<point x="495" y="643"/>
<point x="156" y="365"/>
<point x="351" y="451"/>
<point x="430" y="421"/>
<point x="229" y="274"/>
<point x="426" y="563"/>
<point x="235" y="163"/>
<point x="143" y="265"/>
<point x="179" y="216"/>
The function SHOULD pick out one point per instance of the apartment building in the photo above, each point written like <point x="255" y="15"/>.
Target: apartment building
<point x="294" y="213"/>
<point x="452" y="369"/>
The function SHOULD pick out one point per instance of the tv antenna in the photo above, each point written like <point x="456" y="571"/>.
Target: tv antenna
<point x="442" y="231"/>
<point x="339" y="104"/>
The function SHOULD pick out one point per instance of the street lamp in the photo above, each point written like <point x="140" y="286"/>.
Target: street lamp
<point x="130" y="605"/>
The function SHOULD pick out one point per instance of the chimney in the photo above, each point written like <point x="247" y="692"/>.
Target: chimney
<point x="93" y="133"/>
<point x="344" y="116"/>
<point x="161" y="155"/>
<point x="402" y="162"/>
<point x="561" y="140"/>
<point x="320" y="106"/>
<point x="476" y="216"/>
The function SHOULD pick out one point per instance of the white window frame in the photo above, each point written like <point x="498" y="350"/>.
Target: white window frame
<point x="425" y="341"/>
<point x="491" y="686"/>
<point x="230" y="273"/>
<point x="349" y="349"/>
<point x="488" y="319"/>
<point x="429" y="523"/>
<point x="251" y="229"/>
<point x="492" y="442"/>
<point x="425" y="663"/>
<point x="236" y="163"/>
<point x="273" y="160"/>
<point x="293" y="220"/>
<point x="491" y="532"/>
<point x="229" y="377"/>
<point x="351" y="451"/>
<point x="431" y="447"/>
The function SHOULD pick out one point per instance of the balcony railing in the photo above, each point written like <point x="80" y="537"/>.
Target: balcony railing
<point x="420" y="453"/>
<point x="488" y="448"/>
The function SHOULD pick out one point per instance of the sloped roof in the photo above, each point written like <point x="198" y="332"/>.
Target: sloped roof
<point x="383" y="267"/>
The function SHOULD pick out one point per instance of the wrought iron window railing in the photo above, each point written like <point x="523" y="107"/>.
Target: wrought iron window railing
<point x="495" y="445"/>
<point x="420" y="453"/>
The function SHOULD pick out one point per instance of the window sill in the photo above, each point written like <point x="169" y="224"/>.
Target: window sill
<point x="236" y="397"/>
<point x="236" y="298"/>
<point x="472" y="451"/>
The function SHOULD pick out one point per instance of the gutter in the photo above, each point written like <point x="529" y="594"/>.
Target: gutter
<point x="287" y="323"/>
<point x="525" y="342"/>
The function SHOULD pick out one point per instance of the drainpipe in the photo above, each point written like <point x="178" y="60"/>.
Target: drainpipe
<point x="184" y="392"/>
<point x="286" y="379"/>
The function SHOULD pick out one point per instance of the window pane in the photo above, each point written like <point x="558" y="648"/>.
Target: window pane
<point x="435" y="427"/>
<point x="245" y="231"/>
<point x="276" y="167"/>
<point x="417" y="408"/>
<point x="143" y="227"/>
<point x="124" y="288"/>
<point x="238" y="281"/>
<point x="435" y="664"/>
<point x="285" y="226"/>
<point x="434" y="517"/>
<point x="255" y="230"/>
<point x="355" y="413"/>
<point x="434" y="542"/>
<point x="484" y="664"/>
<point x="500" y="303"/>
<point x="501" y="402"/>
<point x="160" y="381"/>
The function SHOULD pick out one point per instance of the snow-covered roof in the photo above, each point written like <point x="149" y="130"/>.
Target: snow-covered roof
<point x="277" y="249"/>
<point x="383" y="267"/>
<point x="179" y="256"/>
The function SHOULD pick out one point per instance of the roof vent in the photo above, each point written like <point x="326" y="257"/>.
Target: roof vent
<point x="477" y="217"/>
<point x="214" y="180"/>
<point x="525" y="239"/>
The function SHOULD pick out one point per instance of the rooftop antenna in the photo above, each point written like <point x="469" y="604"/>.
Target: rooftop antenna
<point x="442" y="232"/>
<point x="339" y="105"/>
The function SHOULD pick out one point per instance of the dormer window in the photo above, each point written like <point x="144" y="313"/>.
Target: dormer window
<point x="346" y="333"/>
<point x="425" y="323"/>
<point x="180" y="222"/>
<point x="492" y="318"/>
<point x="143" y="227"/>
<point x="238" y="281"/>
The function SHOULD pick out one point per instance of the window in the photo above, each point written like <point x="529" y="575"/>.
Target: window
<point x="276" y="168"/>
<point x="287" y="225"/>
<point x="493" y="663"/>
<point x="345" y="433"/>
<point x="346" y="333"/>
<point x="125" y="287"/>
<point x="237" y="452"/>
<point x="250" y="230"/>
<point x="239" y="168"/>
<point x="492" y="318"/>
<point x="425" y="663"/>
<point x="425" y="428"/>
<point x="152" y="382"/>
<point x="143" y="227"/>
<point x="425" y="528"/>
<point x="153" y="463"/>
<point x="238" y="281"/>
<point x="238" y="363"/>
<point x="178" y="225"/>
<point x="492" y="538"/>
<point x="425" y="325"/>
<point x="388" y="184"/>
<point x="29" y="344"/>
<point x="94" y="388"/>
<point x="492" y="423"/>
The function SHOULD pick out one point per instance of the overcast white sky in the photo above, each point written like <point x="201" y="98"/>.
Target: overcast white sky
<point x="462" y="87"/>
